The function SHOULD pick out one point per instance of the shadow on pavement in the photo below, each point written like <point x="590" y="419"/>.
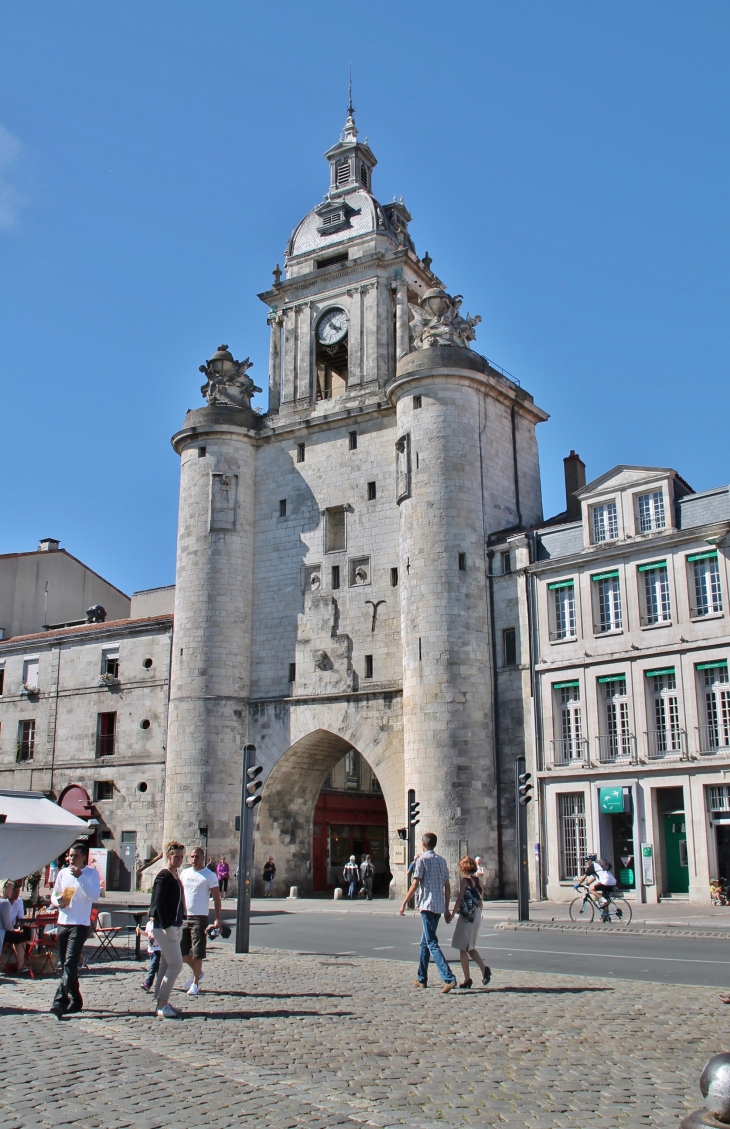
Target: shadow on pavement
<point x="551" y="991"/>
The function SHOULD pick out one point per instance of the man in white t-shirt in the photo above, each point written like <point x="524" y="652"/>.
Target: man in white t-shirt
<point x="199" y="884"/>
<point x="76" y="889"/>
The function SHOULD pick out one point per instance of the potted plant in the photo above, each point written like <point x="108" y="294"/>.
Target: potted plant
<point x="30" y="691"/>
<point x="108" y="680"/>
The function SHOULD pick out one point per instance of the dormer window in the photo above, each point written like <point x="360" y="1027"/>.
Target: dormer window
<point x="343" y="172"/>
<point x="651" y="511"/>
<point x="332" y="219"/>
<point x="604" y="523"/>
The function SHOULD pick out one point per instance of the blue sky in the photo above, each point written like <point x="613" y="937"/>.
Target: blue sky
<point x="566" y="165"/>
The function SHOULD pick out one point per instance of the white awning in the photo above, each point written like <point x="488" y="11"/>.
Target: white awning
<point x="34" y="832"/>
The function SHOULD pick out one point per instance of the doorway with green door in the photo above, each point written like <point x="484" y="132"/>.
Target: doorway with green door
<point x="673" y="830"/>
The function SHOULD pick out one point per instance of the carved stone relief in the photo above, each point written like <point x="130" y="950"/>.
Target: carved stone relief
<point x="403" y="468"/>
<point x="436" y="321"/>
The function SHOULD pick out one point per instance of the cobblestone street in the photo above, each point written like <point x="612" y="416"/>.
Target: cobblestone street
<point x="281" y="1040"/>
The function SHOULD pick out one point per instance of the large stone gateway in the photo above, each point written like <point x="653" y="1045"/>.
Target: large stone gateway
<point x="333" y="588"/>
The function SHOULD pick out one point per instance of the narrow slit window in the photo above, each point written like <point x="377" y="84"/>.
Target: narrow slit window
<point x="292" y="672"/>
<point x="372" y="491"/>
<point x="300" y="452"/>
<point x="506" y="563"/>
<point x="202" y="452"/>
<point x="417" y="402"/>
<point x="353" y="440"/>
<point x="420" y="653"/>
<point x="282" y="508"/>
<point x="335" y="576"/>
<point x="509" y="646"/>
<point x="462" y="562"/>
<point x="394" y="577"/>
<point x="368" y="666"/>
<point x="106" y="734"/>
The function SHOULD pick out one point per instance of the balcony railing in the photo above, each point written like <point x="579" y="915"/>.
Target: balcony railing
<point x="666" y="744"/>
<point x="568" y="752"/>
<point x="712" y="739"/>
<point x="616" y="748"/>
<point x="105" y="744"/>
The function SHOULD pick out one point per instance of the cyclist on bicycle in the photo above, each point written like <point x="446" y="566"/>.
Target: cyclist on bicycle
<point x="599" y="878"/>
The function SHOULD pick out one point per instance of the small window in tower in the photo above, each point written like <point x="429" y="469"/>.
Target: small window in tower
<point x="335" y="576"/>
<point x="300" y="452"/>
<point x="364" y="175"/>
<point x="201" y="452"/>
<point x="509" y="644"/>
<point x="417" y="402"/>
<point x="282" y="508"/>
<point x="292" y="672"/>
<point x="506" y="563"/>
<point x="368" y="666"/>
<point x="353" y="440"/>
<point x="462" y="562"/>
<point x="343" y="172"/>
<point x="372" y="491"/>
<point x="335" y="530"/>
<point x="394" y="578"/>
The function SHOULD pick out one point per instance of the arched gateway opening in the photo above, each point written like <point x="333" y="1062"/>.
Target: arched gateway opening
<point x="321" y="801"/>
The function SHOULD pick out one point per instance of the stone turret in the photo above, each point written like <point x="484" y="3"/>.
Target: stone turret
<point x="212" y="642"/>
<point x="456" y="423"/>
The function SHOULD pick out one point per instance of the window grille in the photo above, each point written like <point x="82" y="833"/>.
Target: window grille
<point x="104" y="790"/>
<point x="572" y="831"/>
<point x="605" y="522"/>
<point x="718" y="798"/>
<point x="657" y="607"/>
<point x="651" y="511"/>
<point x="26" y="740"/>
<point x="608" y="602"/>
<point x="706" y="585"/>
<point x="563" y="600"/>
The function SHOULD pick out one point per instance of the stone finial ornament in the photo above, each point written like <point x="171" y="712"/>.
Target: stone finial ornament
<point x="227" y="384"/>
<point x="436" y="321"/>
<point x="715" y="1089"/>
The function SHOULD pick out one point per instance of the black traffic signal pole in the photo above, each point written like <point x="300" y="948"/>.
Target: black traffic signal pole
<point x="245" y="855"/>
<point x="522" y="799"/>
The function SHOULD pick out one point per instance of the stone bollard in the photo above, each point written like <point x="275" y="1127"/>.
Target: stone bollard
<point x="337" y="894"/>
<point x="293" y="891"/>
<point x="715" y="1089"/>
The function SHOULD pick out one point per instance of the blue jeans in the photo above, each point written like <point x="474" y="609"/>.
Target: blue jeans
<point x="153" y="966"/>
<point x="430" y="948"/>
<point x="352" y="892"/>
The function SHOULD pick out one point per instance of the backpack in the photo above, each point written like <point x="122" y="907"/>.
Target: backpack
<point x="368" y="870"/>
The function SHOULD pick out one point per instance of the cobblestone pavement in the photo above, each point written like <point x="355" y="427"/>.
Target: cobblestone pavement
<point x="281" y="1041"/>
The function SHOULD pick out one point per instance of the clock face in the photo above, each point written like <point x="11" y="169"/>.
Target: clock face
<point x="332" y="327"/>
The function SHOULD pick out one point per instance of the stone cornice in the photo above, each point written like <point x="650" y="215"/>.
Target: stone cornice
<point x="597" y="556"/>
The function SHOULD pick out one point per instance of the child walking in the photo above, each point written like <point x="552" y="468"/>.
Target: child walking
<point x="153" y="950"/>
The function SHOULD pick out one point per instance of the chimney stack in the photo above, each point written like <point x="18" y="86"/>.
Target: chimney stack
<point x="48" y="545"/>
<point x="575" y="479"/>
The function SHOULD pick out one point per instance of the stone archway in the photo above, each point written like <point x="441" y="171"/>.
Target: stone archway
<point x="285" y="816"/>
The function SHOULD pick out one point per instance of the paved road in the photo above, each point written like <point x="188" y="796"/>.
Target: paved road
<point x="664" y="960"/>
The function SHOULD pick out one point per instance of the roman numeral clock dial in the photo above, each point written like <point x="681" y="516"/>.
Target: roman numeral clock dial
<point x="332" y="327"/>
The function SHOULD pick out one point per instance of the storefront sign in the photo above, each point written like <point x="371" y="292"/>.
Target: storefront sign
<point x="612" y="800"/>
<point x="647" y="863"/>
<point x="98" y="858"/>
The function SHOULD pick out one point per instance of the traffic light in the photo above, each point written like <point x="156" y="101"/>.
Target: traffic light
<point x="414" y="810"/>
<point x="524" y="788"/>
<point x="253" y="785"/>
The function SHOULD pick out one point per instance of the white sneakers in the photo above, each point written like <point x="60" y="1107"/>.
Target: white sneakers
<point x="193" y="990"/>
<point x="191" y="983"/>
<point x="168" y="1012"/>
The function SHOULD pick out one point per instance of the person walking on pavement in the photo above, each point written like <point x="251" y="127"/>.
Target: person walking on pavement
<point x="367" y="873"/>
<point x="223" y="872"/>
<point x="268" y="875"/>
<point x="468" y="908"/>
<point x="200" y="884"/>
<point x="351" y="874"/>
<point x="432" y="889"/>
<point x="76" y="888"/>
<point x="167" y="910"/>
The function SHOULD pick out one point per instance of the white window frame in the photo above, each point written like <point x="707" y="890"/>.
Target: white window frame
<point x="650" y="512"/>
<point x="606" y="599"/>
<point x="704" y="584"/>
<point x="562" y="611"/>
<point x="714" y="688"/>
<point x="604" y="522"/>
<point x="615" y="740"/>
<point x="665" y="735"/>
<point x="30" y="662"/>
<point x="568" y="744"/>
<point x="656" y="603"/>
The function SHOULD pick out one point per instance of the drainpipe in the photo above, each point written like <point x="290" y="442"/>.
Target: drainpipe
<point x="515" y="469"/>
<point x="536" y="697"/>
<point x="495" y="716"/>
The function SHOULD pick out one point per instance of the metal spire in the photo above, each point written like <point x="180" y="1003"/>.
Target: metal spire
<point x="350" y="131"/>
<point x="350" y="107"/>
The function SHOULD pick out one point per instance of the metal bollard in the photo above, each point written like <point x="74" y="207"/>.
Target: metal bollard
<point x="293" y="891"/>
<point x="715" y="1089"/>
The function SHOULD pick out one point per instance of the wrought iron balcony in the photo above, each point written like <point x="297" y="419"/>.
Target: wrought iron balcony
<point x="713" y="739"/>
<point x="573" y="751"/>
<point x="666" y="744"/>
<point x="616" y="748"/>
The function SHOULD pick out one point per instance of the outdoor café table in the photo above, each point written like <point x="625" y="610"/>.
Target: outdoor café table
<point x="139" y="916"/>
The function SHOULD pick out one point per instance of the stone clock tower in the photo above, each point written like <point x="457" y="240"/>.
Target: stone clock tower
<point x="332" y="587"/>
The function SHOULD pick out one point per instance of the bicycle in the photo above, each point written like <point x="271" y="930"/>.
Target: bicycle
<point x="585" y="907"/>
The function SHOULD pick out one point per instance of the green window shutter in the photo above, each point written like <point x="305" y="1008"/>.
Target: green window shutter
<point x="658" y="673"/>
<point x="613" y="678"/>
<point x="561" y="584"/>
<point x="703" y="556"/>
<point x="712" y="666"/>
<point x="655" y="564"/>
<point x="606" y="575"/>
<point x="566" y="685"/>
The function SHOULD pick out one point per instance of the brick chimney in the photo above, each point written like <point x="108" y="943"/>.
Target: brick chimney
<point x="575" y="479"/>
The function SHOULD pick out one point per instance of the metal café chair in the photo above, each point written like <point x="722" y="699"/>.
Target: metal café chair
<point x="105" y="935"/>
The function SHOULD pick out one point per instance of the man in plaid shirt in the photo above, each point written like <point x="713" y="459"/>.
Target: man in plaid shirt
<point x="433" y="893"/>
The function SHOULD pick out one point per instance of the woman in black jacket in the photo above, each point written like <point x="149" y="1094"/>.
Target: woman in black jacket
<point x="167" y="910"/>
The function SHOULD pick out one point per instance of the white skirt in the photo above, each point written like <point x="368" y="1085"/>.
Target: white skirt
<point x="466" y="932"/>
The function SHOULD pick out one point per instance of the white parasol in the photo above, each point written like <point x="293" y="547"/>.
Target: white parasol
<point x="33" y="832"/>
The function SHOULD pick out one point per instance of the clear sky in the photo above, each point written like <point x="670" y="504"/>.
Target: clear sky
<point x="566" y="166"/>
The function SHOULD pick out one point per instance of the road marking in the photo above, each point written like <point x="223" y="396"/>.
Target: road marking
<point x="604" y="956"/>
<point x="376" y="948"/>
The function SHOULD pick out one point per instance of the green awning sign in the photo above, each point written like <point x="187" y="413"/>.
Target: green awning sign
<point x="712" y="555"/>
<point x="650" y="567"/>
<point x="719" y="665"/>
<point x="560" y="584"/>
<point x="659" y="673"/>
<point x="611" y="800"/>
<point x="566" y="685"/>
<point x="606" y="575"/>
<point x="613" y="678"/>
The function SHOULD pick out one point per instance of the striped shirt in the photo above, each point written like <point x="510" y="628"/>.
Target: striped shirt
<point x="432" y="873"/>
